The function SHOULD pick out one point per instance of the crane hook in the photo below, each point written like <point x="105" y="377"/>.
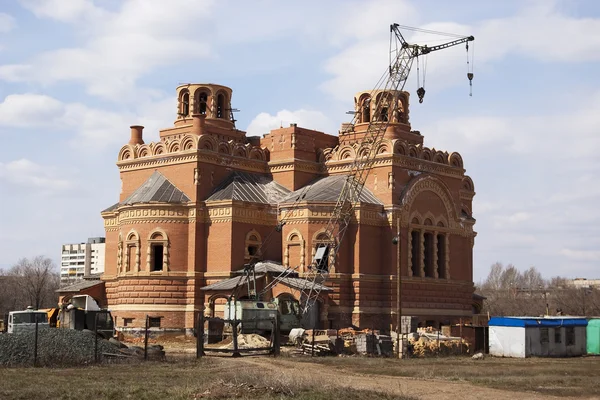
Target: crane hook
<point x="470" y="77"/>
<point x="421" y="94"/>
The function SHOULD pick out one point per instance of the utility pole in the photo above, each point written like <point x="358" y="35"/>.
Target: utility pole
<point x="399" y="338"/>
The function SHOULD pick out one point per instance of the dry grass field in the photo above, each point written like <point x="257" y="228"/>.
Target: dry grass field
<point x="348" y="378"/>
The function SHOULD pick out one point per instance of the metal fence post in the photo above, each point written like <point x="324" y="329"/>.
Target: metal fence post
<point x="96" y="337"/>
<point x="312" y="349"/>
<point x="277" y="338"/>
<point x="146" y="339"/>
<point x="35" y="347"/>
<point x="200" y="335"/>
<point x="236" y="352"/>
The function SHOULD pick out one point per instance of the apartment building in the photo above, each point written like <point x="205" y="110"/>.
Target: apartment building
<point x="82" y="259"/>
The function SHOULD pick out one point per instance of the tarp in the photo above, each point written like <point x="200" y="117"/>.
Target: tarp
<point x="593" y="336"/>
<point x="532" y="321"/>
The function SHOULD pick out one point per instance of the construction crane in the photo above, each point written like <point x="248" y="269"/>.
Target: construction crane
<point x="402" y="56"/>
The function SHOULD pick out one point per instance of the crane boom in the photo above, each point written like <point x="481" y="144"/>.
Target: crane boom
<point x="402" y="55"/>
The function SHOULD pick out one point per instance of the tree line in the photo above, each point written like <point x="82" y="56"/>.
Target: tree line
<point x="30" y="282"/>
<point x="510" y="292"/>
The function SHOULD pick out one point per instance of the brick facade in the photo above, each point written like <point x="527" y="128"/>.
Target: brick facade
<point x="200" y="241"/>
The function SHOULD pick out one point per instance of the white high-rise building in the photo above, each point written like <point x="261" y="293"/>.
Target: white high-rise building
<point x="82" y="259"/>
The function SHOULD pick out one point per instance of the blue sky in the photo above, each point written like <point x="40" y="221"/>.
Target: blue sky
<point x="74" y="75"/>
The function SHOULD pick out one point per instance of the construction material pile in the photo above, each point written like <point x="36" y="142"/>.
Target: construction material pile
<point x="55" y="347"/>
<point x="66" y="347"/>
<point x="246" y="341"/>
<point x="428" y="342"/>
<point x="343" y="341"/>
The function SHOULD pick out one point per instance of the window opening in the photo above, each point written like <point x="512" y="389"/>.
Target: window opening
<point x="416" y="252"/>
<point x="220" y="106"/>
<point x="157" y="257"/>
<point x="322" y="258"/>
<point x="557" y="335"/>
<point x="441" y="256"/>
<point x="185" y="104"/>
<point x="428" y="255"/>
<point x="570" y="336"/>
<point x="154" y="322"/>
<point x="544" y="335"/>
<point x="366" y="114"/>
<point x="202" y="99"/>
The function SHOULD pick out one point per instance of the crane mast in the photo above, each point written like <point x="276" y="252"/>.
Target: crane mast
<point x="402" y="56"/>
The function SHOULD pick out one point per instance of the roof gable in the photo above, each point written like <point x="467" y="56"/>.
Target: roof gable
<point x="156" y="189"/>
<point x="328" y="190"/>
<point x="248" y="187"/>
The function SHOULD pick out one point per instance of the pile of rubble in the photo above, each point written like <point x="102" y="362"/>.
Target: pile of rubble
<point x="65" y="347"/>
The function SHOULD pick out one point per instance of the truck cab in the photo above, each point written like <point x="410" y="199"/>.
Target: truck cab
<point x="23" y="321"/>
<point x="247" y="311"/>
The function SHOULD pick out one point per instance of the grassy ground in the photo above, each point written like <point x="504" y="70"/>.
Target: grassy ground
<point x="204" y="379"/>
<point x="578" y="377"/>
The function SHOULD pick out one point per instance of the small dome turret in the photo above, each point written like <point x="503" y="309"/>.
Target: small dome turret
<point x="211" y="100"/>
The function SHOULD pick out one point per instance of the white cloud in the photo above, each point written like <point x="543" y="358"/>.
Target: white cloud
<point x="264" y="122"/>
<point x="120" y="47"/>
<point x="93" y="127"/>
<point x="27" y="173"/>
<point x="7" y="23"/>
<point x="64" y="11"/>
<point x="27" y="110"/>
<point x="581" y="255"/>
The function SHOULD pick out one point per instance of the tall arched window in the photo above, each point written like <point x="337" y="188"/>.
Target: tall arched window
<point x="294" y="251"/>
<point x="201" y="102"/>
<point x="184" y="109"/>
<point x="366" y="110"/>
<point x="221" y="111"/>
<point x="157" y="252"/>
<point x="441" y="256"/>
<point x="322" y="254"/>
<point x="253" y="243"/>
<point x="120" y="254"/>
<point x="132" y="252"/>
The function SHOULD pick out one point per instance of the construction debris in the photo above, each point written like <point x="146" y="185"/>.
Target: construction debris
<point x="422" y="343"/>
<point x="66" y="347"/>
<point x="246" y="341"/>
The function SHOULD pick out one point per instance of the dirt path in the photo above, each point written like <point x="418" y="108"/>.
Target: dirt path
<point x="421" y="388"/>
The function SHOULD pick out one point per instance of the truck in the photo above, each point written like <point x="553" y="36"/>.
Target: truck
<point x="25" y="321"/>
<point x="263" y="312"/>
<point x="83" y="312"/>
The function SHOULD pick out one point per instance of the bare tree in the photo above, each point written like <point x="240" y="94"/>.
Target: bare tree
<point x="35" y="281"/>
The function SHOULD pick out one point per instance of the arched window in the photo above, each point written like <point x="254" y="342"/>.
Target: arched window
<point x="157" y="252"/>
<point x="366" y="110"/>
<point x="120" y="254"/>
<point x="415" y="253"/>
<point x="441" y="256"/>
<point x="184" y="109"/>
<point x="253" y="243"/>
<point x="221" y="111"/>
<point x="323" y="258"/>
<point x="294" y="251"/>
<point x="132" y="252"/>
<point x="201" y="102"/>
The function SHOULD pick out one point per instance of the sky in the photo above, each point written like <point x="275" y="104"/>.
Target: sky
<point x="74" y="75"/>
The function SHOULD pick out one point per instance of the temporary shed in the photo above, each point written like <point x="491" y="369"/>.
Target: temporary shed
<point x="593" y="336"/>
<point x="541" y="337"/>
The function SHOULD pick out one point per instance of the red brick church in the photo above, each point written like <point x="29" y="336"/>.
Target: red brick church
<point x="205" y="199"/>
